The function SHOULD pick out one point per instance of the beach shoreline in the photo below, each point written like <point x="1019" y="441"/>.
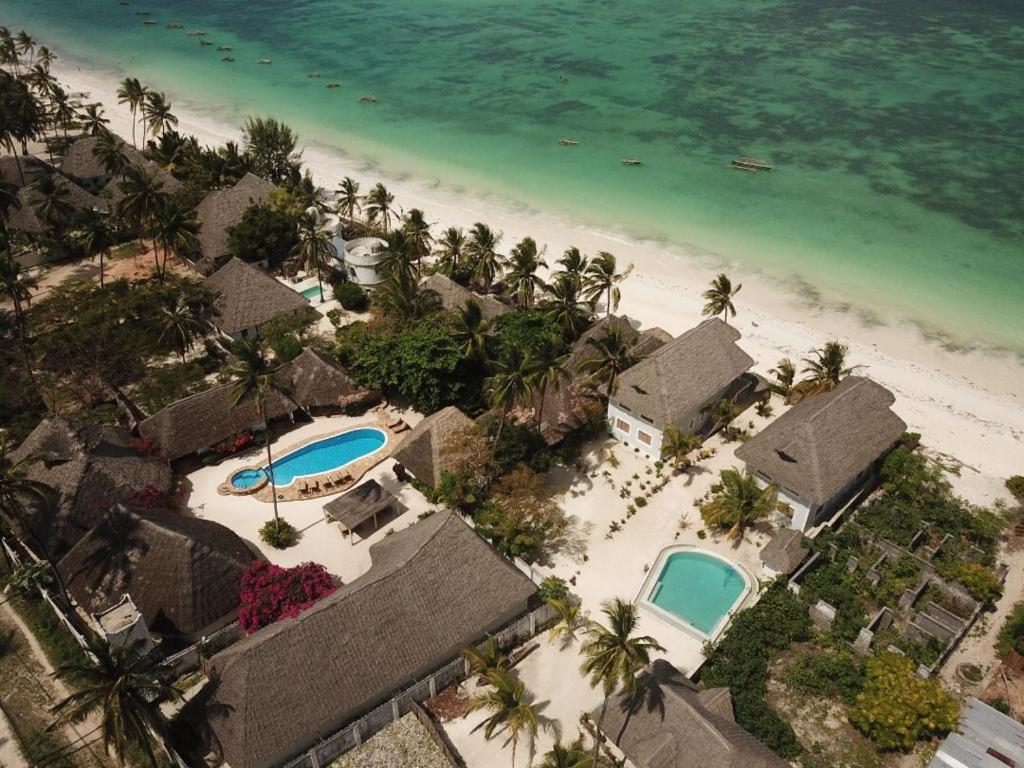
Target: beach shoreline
<point x="968" y="402"/>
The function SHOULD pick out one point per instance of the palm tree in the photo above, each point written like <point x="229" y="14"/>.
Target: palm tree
<point x="471" y="329"/>
<point x="570" y="620"/>
<point x="16" y="488"/>
<point x="509" y="710"/>
<point x="608" y="357"/>
<point x="548" y="370"/>
<point x="401" y="295"/>
<point x="9" y="201"/>
<point x="378" y="205"/>
<point x="521" y="280"/>
<point x="567" y="306"/>
<point x="157" y="111"/>
<point x="176" y="229"/>
<point x="132" y="93"/>
<point x="825" y="370"/>
<point x="573" y="262"/>
<point x="603" y="278"/>
<point x="62" y="112"/>
<point x="741" y="503"/>
<point x="181" y="321"/>
<point x="450" y="251"/>
<point x="108" y="153"/>
<point x="485" y="659"/>
<point x="613" y="656"/>
<point x="347" y="203"/>
<point x="676" y="447"/>
<point x="785" y="374"/>
<point x="45" y="57"/>
<point x="418" y="231"/>
<point x="93" y="121"/>
<point x="255" y="379"/>
<point x="53" y="202"/>
<point x="719" y="298"/>
<point x="143" y="198"/>
<point x="124" y="687"/>
<point x="511" y="384"/>
<point x="572" y="755"/>
<point x="315" y="247"/>
<point x="25" y="44"/>
<point x="399" y="256"/>
<point x="723" y="413"/>
<point x="482" y="252"/>
<point x="17" y="285"/>
<point x="97" y="239"/>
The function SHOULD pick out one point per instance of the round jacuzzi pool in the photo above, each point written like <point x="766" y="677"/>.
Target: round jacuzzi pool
<point x="248" y="480"/>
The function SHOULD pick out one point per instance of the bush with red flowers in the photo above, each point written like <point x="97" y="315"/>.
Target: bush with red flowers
<point x="149" y="497"/>
<point x="270" y="593"/>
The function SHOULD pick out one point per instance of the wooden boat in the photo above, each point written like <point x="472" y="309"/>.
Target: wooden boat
<point x="563" y="79"/>
<point x="149" y="22"/>
<point x="263" y="61"/>
<point x="368" y="99"/>
<point x="174" y="25"/>
<point x="223" y="47"/>
<point x="631" y="161"/>
<point x="142" y="13"/>
<point x="567" y="142"/>
<point x="206" y="42"/>
<point x="227" y="58"/>
<point x="333" y="85"/>
<point x="313" y="74"/>
<point x="195" y="33"/>
<point x="749" y="164"/>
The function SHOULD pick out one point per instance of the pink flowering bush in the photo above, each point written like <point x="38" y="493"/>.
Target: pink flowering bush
<point x="270" y="592"/>
<point x="150" y="497"/>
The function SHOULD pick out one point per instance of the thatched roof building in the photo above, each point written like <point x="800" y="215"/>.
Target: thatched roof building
<point x="434" y="588"/>
<point x="786" y="549"/>
<point x="318" y="382"/>
<point x="182" y="573"/>
<point x="248" y="297"/>
<point x="424" y="452"/>
<point x="80" y="163"/>
<point x="455" y="297"/>
<point x="670" y="723"/>
<point x="90" y="468"/>
<point x="21" y="171"/>
<point x="822" y="444"/>
<point x="222" y="209"/>
<point x="25" y="217"/>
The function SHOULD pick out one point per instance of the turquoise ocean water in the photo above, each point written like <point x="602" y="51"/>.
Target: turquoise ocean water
<point x="896" y="127"/>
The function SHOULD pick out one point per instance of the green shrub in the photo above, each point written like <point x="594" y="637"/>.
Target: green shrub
<point x="1011" y="631"/>
<point x="1000" y="705"/>
<point x="280" y="534"/>
<point x="351" y="297"/>
<point x="553" y="588"/>
<point x="980" y="581"/>
<point x="1016" y="486"/>
<point x="832" y="674"/>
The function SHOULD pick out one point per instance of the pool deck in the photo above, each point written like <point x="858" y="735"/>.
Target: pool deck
<point x="316" y="486"/>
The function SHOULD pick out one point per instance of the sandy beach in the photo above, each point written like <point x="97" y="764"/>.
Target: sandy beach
<point x="967" y="402"/>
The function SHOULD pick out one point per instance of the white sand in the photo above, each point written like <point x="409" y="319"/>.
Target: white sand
<point x="967" y="404"/>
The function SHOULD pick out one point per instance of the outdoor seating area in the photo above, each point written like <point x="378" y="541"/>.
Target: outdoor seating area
<point x="362" y="504"/>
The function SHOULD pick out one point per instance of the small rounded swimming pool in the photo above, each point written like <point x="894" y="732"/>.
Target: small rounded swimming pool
<point x="327" y="454"/>
<point x="248" y="480"/>
<point x="697" y="588"/>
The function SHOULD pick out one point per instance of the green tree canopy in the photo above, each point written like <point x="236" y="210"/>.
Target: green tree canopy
<point x="264" y="233"/>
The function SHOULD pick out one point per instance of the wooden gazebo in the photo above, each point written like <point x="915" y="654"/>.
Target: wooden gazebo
<point x="362" y="503"/>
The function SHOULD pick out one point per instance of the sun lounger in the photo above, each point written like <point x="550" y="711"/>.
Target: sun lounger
<point x="328" y="483"/>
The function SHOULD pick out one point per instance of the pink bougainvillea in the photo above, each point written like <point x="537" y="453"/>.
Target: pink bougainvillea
<point x="150" y="497"/>
<point x="270" y="593"/>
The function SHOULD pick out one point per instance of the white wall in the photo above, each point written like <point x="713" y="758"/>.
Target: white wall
<point x="803" y="510"/>
<point x="358" y="259"/>
<point x="629" y="431"/>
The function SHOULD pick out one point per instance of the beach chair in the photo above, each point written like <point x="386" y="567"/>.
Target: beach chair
<point x="316" y="487"/>
<point x="328" y="482"/>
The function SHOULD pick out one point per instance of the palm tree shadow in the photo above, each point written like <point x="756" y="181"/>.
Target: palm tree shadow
<point x="118" y="544"/>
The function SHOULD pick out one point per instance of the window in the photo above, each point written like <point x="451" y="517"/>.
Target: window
<point x="622" y="426"/>
<point x="245" y="333"/>
<point x="644" y="437"/>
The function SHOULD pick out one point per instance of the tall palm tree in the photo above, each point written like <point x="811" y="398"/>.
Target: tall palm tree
<point x="157" y="111"/>
<point x="176" y="229"/>
<point x="400" y="295"/>
<point x="451" y="248"/>
<point x="723" y="413"/>
<point x="570" y="620"/>
<point x="485" y="659"/>
<point x="144" y="197"/>
<point x="471" y="329"/>
<point x="315" y="246"/>
<point x="378" y="206"/>
<point x="97" y="239"/>
<point x="573" y="262"/>
<point x="62" y="110"/>
<point x="741" y="503"/>
<point x="17" y="285"/>
<point x="549" y="371"/>
<point x="521" y="280"/>
<point x="347" y="198"/>
<point x="93" y="121"/>
<point x="398" y="257"/>
<point x="509" y="709"/>
<point x="254" y="379"/>
<point x="181" y="321"/>
<point x="16" y="488"/>
<point x="608" y="357"/>
<point x="602" y="278"/>
<point x="108" y="152"/>
<point x="511" y="384"/>
<point x="785" y="374"/>
<point x="571" y="755"/>
<point x="124" y="687"/>
<point x="418" y="231"/>
<point x="825" y="370"/>
<point x="718" y="298"/>
<point x="612" y="656"/>
<point x="53" y="202"/>
<point x="132" y="93"/>
<point x="567" y="306"/>
<point x="45" y="57"/>
<point x="676" y="447"/>
<point x="9" y="201"/>
<point x="482" y="252"/>
<point x="26" y="45"/>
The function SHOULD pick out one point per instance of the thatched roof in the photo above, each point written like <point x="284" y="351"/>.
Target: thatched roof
<point x="820" y="445"/>
<point x="316" y="381"/>
<point x="785" y="551"/>
<point x="25" y="219"/>
<point x="90" y="468"/>
<point x="222" y="209"/>
<point x="204" y="419"/>
<point x="679" y="377"/>
<point x="455" y="297"/>
<point x="423" y="449"/>
<point x="670" y="723"/>
<point x="80" y="163"/>
<point x="23" y="170"/>
<point x="249" y="297"/>
<point x="434" y="588"/>
<point x="182" y="573"/>
<point x="355" y="507"/>
<point x="650" y="340"/>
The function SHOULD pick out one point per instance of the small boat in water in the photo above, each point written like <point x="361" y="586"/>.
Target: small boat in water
<point x="313" y="74"/>
<point x="631" y="161"/>
<point x="227" y="58"/>
<point x="263" y="61"/>
<point x="223" y="47"/>
<point x="749" y="164"/>
<point x="149" y="22"/>
<point x="206" y="42"/>
<point x="195" y="33"/>
<point x="333" y="85"/>
<point x="142" y="13"/>
<point x="174" y="25"/>
<point x="368" y="99"/>
<point x="563" y="79"/>
<point x="567" y="142"/>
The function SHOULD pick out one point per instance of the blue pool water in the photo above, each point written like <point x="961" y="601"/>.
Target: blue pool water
<point x="312" y="293"/>
<point x="698" y="588"/>
<point x="327" y="455"/>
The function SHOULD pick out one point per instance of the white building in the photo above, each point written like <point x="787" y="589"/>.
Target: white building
<point x="359" y="258"/>
<point x="825" y="449"/>
<point x="678" y="384"/>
